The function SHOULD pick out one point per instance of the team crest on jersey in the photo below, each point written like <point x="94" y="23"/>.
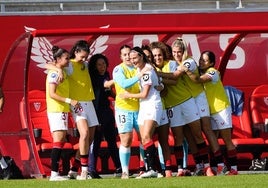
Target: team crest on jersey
<point x="187" y="64"/>
<point x="37" y="106"/>
<point x="116" y="69"/>
<point x="145" y="77"/>
<point x="53" y="75"/>
<point x="265" y="99"/>
<point x="212" y="72"/>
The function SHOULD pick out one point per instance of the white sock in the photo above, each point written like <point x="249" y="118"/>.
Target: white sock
<point x="206" y="165"/>
<point x="199" y="166"/>
<point x="3" y="163"/>
<point x="84" y="168"/>
<point x="234" y="167"/>
<point x="53" y="174"/>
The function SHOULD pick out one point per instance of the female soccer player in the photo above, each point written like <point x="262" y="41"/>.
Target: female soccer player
<point x="57" y="99"/>
<point x="181" y="108"/>
<point x="220" y="109"/>
<point x="150" y="110"/>
<point x="180" y="54"/>
<point x="126" y="78"/>
<point x="85" y="116"/>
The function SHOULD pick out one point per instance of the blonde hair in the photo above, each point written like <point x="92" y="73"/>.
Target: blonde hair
<point x="182" y="44"/>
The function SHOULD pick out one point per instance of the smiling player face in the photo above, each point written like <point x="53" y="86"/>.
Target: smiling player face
<point x="136" y="59"/>
<point x="124" y="55"/>
<point x="158" y="57"/>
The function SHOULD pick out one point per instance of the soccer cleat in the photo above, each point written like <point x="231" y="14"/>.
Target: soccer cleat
<point x="209" y="172"/>
<point x="160" y="175"/>
<point x="232" y="172"/>
<point x="149" y="174"/>
<point x="82" y="176"/>
<point x="124" y="175"/>
<point x="94" y="175"/>
<point x="199" y="172"/>
<point x="118" y="172"/>
<point x="221" y="170"/>
<point x="72" y="174"/>
<point x="180" y="172"/>
<point x="6" y="173"/>
<point x="183" y="172"/>
<point x="215" y="169"/>
<point x="187" y="172"/>
<point x="58" y="178"/>
<point x="139" y="175"/>
<point x="168" y="173"/>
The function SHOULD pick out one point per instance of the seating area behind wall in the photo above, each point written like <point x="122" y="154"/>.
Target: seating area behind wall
<point x="43" y="137"/>
<point x="259" y="110"/>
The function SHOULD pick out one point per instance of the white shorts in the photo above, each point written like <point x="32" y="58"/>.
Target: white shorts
<point x="202" y="105"/>
<point x="86" y="111"/>
<point x="58" y="121"/>
<point x="183" y="113"/>
<point x="164" y="118"/>
<point x="222" y="119"/>
<point x="150" y="112"/>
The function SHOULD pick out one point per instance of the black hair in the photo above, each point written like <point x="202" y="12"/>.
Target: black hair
<point x="211" y="57"/>
<point x="147" y="47"/>
<point x="93" y="61"/>
<point x="80" y="45"/>
<point x="124" y="46"/>
<point x="140" y="52"/>
<point x="57" y="52"/>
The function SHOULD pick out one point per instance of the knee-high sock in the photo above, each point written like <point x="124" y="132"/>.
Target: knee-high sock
<point x="203" y="153"/>
<point x="3" y="163"/>
<point x="161" y="157"/>
<point x="124" y="154"/>
<point x="178" y="152"/>
<point x="232" y="158"/>
<point x="142" y="160"/>
<point x="198" y="161"/>
<point x="55" y="155"/>
<point x="150" y="151"/>
<point x="185" y="153"/>
<point x="91" y="159"/>
<point x="84" y="162"/>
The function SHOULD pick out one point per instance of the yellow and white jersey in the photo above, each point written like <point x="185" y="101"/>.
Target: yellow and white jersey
<point x="125" y="79"/>
<point x="62" y="90"/>
<point x="80" y="82"/>
<point x="194" y="87"/>
<point x="176" y="94"/>
<point x="216" y="95"/>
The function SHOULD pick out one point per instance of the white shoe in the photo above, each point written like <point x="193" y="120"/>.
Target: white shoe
<point x="125" y="175"/>
<point x="58" y="178"/>
<point x="159" y="175"/>
<point x="83" y="176"/>
<point x="118" y="172"/>
<point x="149" y="174"/>
<point x="139" y="175"/>
<point x="72" y="174"/>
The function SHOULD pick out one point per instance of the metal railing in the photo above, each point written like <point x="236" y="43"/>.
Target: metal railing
<point x="123" y="6"/>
